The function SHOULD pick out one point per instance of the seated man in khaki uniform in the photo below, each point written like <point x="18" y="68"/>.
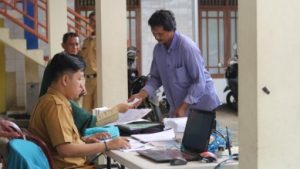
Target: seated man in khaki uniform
<point x="52" y="118"/>
<point x="82" y="118"/>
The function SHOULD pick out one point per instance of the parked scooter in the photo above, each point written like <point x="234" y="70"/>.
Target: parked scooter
<point x="136" y="83"/>
<point x="231" y="75"/>
<point x="132" y="73"/>
<point x="164" y="105"/>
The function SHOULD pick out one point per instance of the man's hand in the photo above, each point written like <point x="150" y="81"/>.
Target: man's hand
<point x="123" y="107"/>
<point x="118" y="143"/>
<point x="140" y="96"/>
<point x="181" y="110"/>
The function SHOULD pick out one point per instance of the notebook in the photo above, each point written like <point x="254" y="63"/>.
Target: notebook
<point x="195" y="139"/>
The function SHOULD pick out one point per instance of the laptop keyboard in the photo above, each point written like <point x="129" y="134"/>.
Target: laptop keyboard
<point x="167" y="155"/>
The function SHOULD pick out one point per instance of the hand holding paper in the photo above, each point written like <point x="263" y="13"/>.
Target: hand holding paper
<point x="131" y="115"/>
<point x="132" y="103"/>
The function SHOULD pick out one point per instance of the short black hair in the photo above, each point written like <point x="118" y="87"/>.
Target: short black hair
<point x="63" y="62"/>
<point x="92" y="14"/>
<point x="164" y="18"/>
<point x="68" y="35"/>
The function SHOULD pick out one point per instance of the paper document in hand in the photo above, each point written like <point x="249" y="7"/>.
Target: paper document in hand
<point x="131" y="115"/>
<point x="159" y="136"/>
<point x="134" y="101"/>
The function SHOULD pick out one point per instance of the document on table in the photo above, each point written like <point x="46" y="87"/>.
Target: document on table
<point x="131" y="115"/>
<point x="159" y="136"/>
<point x="136" y="145"/>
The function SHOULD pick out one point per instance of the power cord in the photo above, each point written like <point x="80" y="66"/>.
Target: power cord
<point x="222" y="163"/>
<point x="228" y="146"/>
<point x="94" y="158"/>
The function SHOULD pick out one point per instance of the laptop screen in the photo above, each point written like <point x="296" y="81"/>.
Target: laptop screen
<point x="197" y="131"/>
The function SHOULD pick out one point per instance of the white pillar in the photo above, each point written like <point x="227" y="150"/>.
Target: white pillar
<point x="111" y="52"/>
<point x="269" y="56"/>
<point x="57" y="24"/>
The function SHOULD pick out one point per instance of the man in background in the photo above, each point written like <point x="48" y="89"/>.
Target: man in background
<point x="88" y="53"/>
<point x="71" y="45"/>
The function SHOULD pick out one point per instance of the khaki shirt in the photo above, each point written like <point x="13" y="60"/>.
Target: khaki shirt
<point x="88" y="52"/>
<point x="52" y="121"/>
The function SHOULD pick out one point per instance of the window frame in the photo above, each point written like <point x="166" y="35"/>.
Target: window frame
<point x="225" y="6"/>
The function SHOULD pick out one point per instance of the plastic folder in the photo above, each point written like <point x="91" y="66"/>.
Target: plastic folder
<point x="112" y="130"/>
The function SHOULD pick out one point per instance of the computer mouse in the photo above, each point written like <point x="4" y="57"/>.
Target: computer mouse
<point x="178" y="161"/>
<point x="208" y="157"/>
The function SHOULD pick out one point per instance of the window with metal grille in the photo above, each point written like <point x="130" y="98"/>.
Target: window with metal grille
<point x="217" y="33"/>
<point x="133" y="29"/>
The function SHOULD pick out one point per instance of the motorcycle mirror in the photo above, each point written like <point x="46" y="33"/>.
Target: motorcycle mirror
<point x="234" y="46"/>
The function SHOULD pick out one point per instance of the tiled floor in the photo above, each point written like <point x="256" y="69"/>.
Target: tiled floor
<point x="229" y="117"/>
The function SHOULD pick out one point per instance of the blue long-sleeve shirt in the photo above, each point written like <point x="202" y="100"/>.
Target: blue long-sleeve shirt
<point x="181" y="71"/>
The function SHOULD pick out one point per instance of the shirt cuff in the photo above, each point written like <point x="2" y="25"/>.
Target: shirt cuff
<point x="108" y="116"/>
<point x="190" y="100"/>
<point x="150" y="90"/>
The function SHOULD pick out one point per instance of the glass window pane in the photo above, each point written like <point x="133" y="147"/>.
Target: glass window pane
<point x="132" y="13"/>
<point x="213" y="70"/>
<point x="212" y="13"/>
<point x="204" y="37"/>
<point x="221" y="42"/>
<point x="213" y="42"/>
<point x="222" y="70"/>
<point x="133" y="32"/>
<point x="128" y="29"/>
<point x="233" y="14"/>
<point x="221" y="14"/>
<point x="233" y="38"/>
<point x="203" y="14"/>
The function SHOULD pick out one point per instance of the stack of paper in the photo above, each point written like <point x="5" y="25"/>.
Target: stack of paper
<point x="159" y="136"/>
<point x="178" y="124"/>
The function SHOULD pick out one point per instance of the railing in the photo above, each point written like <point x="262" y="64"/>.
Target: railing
<point x="39" y="17"/>
<point x="76" y="22"/>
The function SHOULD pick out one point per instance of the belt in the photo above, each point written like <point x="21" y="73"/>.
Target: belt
<point x="90" y="76"/>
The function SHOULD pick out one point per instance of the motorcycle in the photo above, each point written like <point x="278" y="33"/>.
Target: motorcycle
<point x="136" y="83"/>
<point x="164" y="105"/>
<point x="132" y="73"/>
<point x="231" y="75"/>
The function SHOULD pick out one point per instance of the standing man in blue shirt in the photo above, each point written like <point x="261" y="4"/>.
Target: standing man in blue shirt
<point x="178" y="66"/>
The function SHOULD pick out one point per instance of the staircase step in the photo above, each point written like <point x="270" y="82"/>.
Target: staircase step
<point x="35" y="55"/>
<point x="19" y="45"/>
<point x="4" y="33"/>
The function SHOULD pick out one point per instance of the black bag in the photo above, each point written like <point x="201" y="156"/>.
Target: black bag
<point x="141" y="127"/>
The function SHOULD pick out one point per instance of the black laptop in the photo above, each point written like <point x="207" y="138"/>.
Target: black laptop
<point x="195" y="139"/>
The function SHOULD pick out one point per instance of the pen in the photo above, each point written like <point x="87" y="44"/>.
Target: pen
<point x="138" y="140"/>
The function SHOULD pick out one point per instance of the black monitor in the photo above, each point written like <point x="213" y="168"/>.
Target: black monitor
<point x="197" y="131"/>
